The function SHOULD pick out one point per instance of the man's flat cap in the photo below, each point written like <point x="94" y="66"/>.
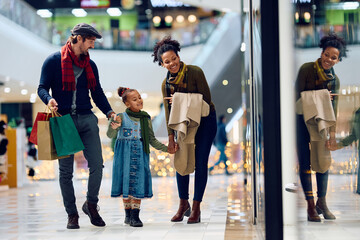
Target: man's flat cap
<point x="85" y="29"/>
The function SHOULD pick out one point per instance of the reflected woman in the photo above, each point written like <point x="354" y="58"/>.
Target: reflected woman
<point x="315" y="76"/>
<point x="187" y="79"/>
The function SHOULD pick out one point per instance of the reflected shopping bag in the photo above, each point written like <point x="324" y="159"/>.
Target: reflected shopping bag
<point x="66" y="137"/>
<point x="46" y="147"/>
<point x="41" y="116"/>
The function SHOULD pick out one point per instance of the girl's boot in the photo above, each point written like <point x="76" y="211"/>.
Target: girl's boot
<point x="127" y="216"/>
<point x="134" y="218"/>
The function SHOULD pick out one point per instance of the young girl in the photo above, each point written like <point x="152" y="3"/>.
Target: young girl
<point x="131" y="173"/>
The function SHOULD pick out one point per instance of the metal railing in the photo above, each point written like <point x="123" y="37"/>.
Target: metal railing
<point x="133" y="40"/>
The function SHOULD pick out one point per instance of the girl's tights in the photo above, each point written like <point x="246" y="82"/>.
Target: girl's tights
<point x="131" y="203"/>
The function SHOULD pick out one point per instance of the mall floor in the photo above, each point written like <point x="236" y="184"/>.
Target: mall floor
<point x="35" y="211"/>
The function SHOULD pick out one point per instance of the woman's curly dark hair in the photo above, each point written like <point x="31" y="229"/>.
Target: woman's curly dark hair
<point x="333" y="40"/>
<point x="123" y="92"/>
<point x="166" y="44"/>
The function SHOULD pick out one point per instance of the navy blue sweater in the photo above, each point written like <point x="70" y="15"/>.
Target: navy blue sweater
<point x="51" y="78"/>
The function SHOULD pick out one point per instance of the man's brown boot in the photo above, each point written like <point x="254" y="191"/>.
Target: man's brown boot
<point x="73" y="221"/>
<point x="90" y="209"/>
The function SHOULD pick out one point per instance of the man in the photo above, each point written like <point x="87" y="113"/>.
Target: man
<point x="70" y="74"/>
<point x="220" y="142"/>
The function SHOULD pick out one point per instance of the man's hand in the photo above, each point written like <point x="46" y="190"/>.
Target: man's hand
<point x="52" y="104"/>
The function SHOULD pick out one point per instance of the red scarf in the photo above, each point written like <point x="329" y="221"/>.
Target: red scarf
<point x="68" y="57"/>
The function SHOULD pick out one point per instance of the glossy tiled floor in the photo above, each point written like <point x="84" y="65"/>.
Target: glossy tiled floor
<point x="35" y="211"/>
<point x="344" y="204"/>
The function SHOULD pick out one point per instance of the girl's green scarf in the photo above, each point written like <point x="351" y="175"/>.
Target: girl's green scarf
<point x="144" y="125"/>
<point x="323" y="75"/>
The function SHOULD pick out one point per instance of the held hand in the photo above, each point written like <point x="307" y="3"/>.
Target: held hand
<point x="115" y="125"/>
<point x="332" y="148"/>
<point x="169" y="98"/>
<point x="116" y="118"/>
<point x="52" y="104"/>
<point x="171" y="147"/>
<point x="176" y="147"/>
<point x="331" y="144"/>
<point x="113" y="116"/>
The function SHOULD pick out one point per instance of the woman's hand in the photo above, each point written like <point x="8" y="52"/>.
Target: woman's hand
<point x="171" y="145"/>
<point x="331" y="143"/>
<point x="171" y="148"/>
<point x="169" y="98"/>
<point x="332" y="95"/>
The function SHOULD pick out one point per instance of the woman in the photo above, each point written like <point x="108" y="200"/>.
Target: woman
<point x="314" y="76"/>
<point x="187" y="79"/>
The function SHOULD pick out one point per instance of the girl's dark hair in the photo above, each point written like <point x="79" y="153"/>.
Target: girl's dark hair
<point x="166" y="44"/>
<point x="333" y="40"/>
<point x="123" y="92"/>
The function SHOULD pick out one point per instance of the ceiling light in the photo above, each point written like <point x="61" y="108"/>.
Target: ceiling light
<point x="168" y="19"/>
<point x="243" y="47"/>
<point x="229" y="110"/>
<point x="297" y="16"/>
<point x="192" y="18"/>
<point x="7" y="90"/>
<point x="156" y="20"/>
<point x="108" y="94"/>
<point x="79" y="12"/>
<point x="225" y="82"/>
<point x="180" y="18"/>
<point x="148" y="11"/>
<point x="144" y="95"/>
<point x="33" y="97"/>
<point x="307" y="16"/>
<point x="114" y="12"/>
<point x="44" y="13"/>
<point x="24" y="91"/>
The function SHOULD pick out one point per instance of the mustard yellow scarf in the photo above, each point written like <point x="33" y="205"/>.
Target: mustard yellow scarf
<point x="323" y="76"/>
<point x="179" y="78"/>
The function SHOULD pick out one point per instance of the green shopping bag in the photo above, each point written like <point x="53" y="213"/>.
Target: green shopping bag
<point x="66" y="137"/>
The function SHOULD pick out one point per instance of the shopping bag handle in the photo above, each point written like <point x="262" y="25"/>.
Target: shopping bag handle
<point x="53" y="113"/>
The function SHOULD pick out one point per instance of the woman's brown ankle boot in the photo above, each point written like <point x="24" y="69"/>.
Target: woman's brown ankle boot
<point x="313" y="216"/>
<point x="195" y="213"/>
<point x="184" y="210"/>
<point x="322" y="208"/>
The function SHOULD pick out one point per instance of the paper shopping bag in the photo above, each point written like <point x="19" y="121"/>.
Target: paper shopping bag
<point x="66" y="137"/>
<point x="46" y="147"/>
<point x="41" y="116"/>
